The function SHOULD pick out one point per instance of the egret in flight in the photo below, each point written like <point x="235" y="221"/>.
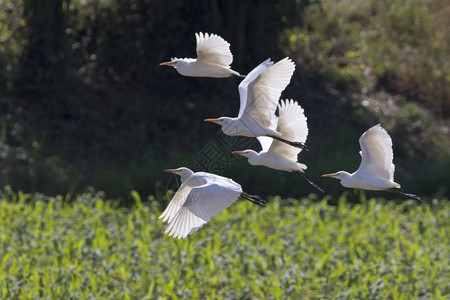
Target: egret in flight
<point x="213" y="59"/>
<point x="376" y="171"/>
<point x="200" y="197"/>
<point x="259" y="94"/>
<point x="277" y="155"/>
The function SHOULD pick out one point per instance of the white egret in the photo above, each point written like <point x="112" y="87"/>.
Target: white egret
<point x="376" y="171"/>
<point x="213" y="59"/>
<point x="200" y="197"/>
<point x="277" y="155"/>
<point x="259" y="94"/>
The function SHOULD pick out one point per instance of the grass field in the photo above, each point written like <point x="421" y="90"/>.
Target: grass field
<point x="292" y="249"/>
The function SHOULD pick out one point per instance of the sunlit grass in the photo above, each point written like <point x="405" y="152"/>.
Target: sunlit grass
<point x="296" y="249"/>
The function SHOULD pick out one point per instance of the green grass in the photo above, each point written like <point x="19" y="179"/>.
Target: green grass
<point x="298" y="249"/>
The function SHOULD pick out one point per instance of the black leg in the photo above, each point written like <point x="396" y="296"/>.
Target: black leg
<point x="294" y="144"/>
<point x="254" y="199"/>
<point x="411" y="196"/>
<point x="312" y="183"/>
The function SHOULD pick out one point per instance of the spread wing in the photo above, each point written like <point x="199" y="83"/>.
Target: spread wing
<point x="202" y="203"/>
<point x="180" y="197"/>
<point x="264" y="92"/>
<point x="376" y="153"/>
<point x="212" y="49"/>
<point x="293" y="127"/>
<point x="249" y="78"/>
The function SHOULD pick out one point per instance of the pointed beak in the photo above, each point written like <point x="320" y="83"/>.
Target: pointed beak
<point x="212" y="120"/>
<point x="168" y="63"/>
<point x="239" y="152"/>
<point x="330" y="175"/>
<point x="171" y="170"/>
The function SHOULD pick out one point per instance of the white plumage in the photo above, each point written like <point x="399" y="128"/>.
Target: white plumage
<point x="259" y="95"/>
<point x="200" y="197"/>
<point x="292" y="125"/>
<point x="376" y="171"/>
<point x="213" y="58"/>
<point x="376" y="154"/>
<point x="280" y="155"/>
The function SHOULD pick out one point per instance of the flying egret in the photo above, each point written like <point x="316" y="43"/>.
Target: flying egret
<point x="259" y="94"/>
<point x="292" y="125"/>
<point x="200" y="197"/>
<point x="213" y="59"/>
<point x="376" y="171"/>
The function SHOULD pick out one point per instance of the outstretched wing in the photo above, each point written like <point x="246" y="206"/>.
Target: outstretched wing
<point x="264" y="91"/>
<point x="376" y="153"/>
<point x="213" y="49"/>
<point x="180" y="197"/>
<point x="293" y="127"/>
<point x="243" y="86"/>
<point x="203" y="203"/>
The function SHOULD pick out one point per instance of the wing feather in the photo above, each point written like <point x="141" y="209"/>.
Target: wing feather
<point x="292" y="124"/>
<point x="243" y="86"/>
<point x="176" y="203"/>
<point x="181" y="195"/>
<point x="264" y="92"/>
<point x="202" y="203"/>
<point x="376" y="153"/>
<point x="213" y="49"/>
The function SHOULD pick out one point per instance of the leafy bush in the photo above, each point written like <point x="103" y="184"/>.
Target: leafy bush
<point x="89" y="247"/>
<point x="399" y="46"/>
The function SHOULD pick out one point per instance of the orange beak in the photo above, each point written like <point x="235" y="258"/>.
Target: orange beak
<point x="239" y="152"/>
<point x="212" y="120"/>
<point x="168" y="63"/>
<point x="171" y="170"/>
<point x="330" y="175"/>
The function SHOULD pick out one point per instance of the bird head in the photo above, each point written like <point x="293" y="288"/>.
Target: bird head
<point x="338" y="175"/>
<point x="245" y="153"/>
<point x="183" y="172"/>
<point x="252" y="155"/>
<point x="222" y="121"/>
<point x="172" y="63"/>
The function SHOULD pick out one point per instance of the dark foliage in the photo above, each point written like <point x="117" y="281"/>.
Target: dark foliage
<point x="84" y="102"/>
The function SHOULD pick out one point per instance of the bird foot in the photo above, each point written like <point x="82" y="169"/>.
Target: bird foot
<point x="290" y="143"/>
<point x="254" y="199"/>
<point x="299" y="145"/>
<point x="312" y="183"/>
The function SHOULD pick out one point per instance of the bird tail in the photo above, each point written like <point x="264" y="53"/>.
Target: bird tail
<point x="302" y="167"/>
<point x="411" y="196"/>
<point x="254" y="199"/>
<point x="312" y="183"/>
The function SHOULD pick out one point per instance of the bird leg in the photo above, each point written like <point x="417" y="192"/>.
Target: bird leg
<point x="294" y="144"/>
<point x="254" y="199"/>
<point x="312" y="183"/>
<point x="411" y="196"/>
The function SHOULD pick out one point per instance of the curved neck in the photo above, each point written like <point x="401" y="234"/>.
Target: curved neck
<point x="185" y="175"/>
<point x="253" y="157"/>
<point x="345" y="177"/>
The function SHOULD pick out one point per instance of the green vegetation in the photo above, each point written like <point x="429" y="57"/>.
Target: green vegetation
<point x="397" y="46"/>
<point x="88" y="248"/>
<point x="84" y="103"/>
